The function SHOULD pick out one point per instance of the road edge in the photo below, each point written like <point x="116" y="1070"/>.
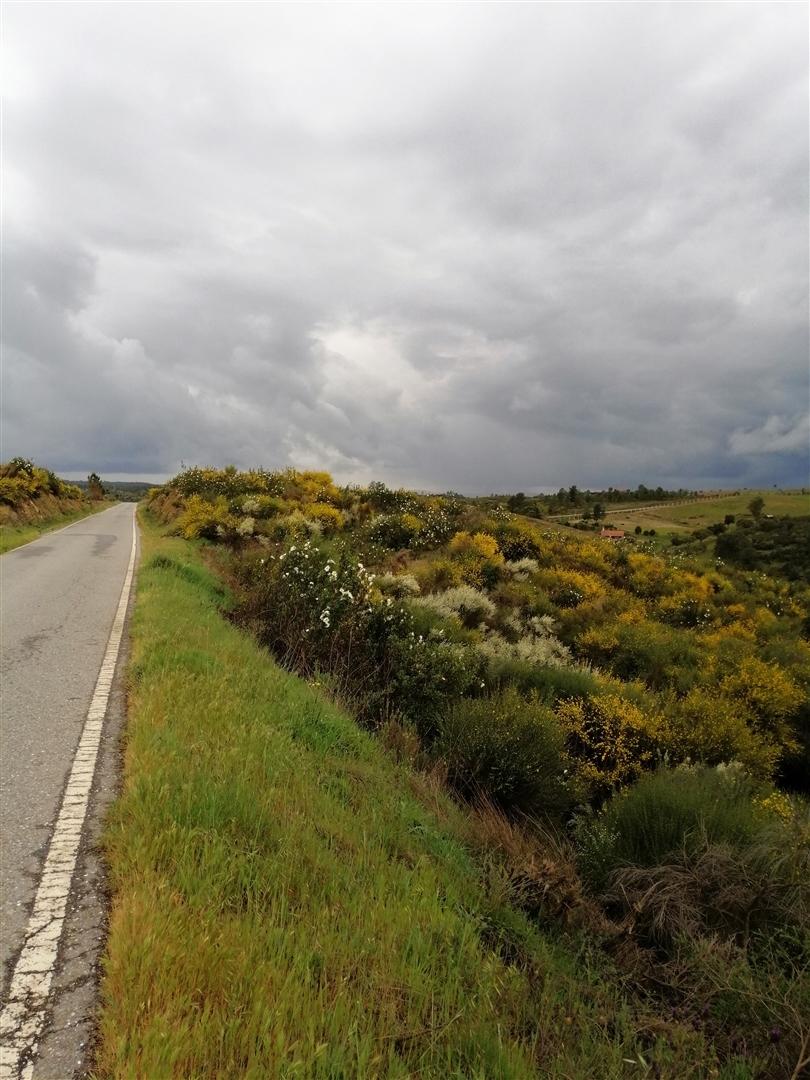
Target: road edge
<point x="46" y="1022"/>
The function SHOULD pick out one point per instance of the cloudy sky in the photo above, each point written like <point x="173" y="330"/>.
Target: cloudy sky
<point x="469" y="246"/>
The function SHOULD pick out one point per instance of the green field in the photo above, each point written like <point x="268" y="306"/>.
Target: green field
<point x="289" y="901"/>
<point x="684" y="517"/>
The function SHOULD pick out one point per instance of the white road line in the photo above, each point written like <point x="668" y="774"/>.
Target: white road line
<point x="23" y="1015"/>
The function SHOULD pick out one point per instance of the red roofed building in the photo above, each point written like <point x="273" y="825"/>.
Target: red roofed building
<point x="612" y="534"/>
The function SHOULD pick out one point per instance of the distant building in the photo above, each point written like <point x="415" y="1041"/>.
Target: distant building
<point x="612" y="534"/>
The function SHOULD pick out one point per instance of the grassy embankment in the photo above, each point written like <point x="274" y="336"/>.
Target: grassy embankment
<point x="284" y="905"/>
<point x="14" y="534"/>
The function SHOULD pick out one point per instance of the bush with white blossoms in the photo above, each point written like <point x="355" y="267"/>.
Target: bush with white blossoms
<point x="521" y="569"/>
<point x="464" y="602"/>
<point x="399" y="586"/>
<point x="323" y="614"/>
<point x="545" y="651"/>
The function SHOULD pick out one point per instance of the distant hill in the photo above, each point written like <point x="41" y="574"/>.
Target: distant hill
<point x="122" y="490"/>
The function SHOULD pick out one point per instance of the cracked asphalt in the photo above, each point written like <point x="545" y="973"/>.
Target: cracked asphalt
<point x="58" y="597"/>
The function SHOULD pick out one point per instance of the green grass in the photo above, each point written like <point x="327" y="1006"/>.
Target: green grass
<point x="284" y="906"/>
<point x="14" y="536"/>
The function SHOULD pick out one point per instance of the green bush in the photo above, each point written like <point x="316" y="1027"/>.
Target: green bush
<point x="396" y="531"/>
<point x="666" y="813"/>
<point x="320" y="615"/>
<point x="509" y="749"/>
<point x="517" y="541"/>
<point x="549" y="684"/>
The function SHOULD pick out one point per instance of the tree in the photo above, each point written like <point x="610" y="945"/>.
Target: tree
<point x="515" y="502"/>
<point x="598" y="511"/>
<point x="756" y="506"/>
<point x="95" y="488"/>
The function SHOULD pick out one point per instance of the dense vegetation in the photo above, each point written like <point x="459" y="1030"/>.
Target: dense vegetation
<point x="291" y="901"/>
<point x="778" y="545"/>
<point x="572" y="500"/>
<point x="34" y="500"/>
<point x="640" y="718"/>
<point x="22" y="480"/>
<point x="121" y="490"/>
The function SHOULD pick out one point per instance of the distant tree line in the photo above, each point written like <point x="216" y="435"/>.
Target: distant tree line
<point x="589" y="503"/>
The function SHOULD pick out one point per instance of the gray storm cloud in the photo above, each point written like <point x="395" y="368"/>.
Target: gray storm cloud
<point x="480" y="247"/>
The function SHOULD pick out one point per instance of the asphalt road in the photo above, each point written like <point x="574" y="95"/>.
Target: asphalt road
<point x="58" y="598"/>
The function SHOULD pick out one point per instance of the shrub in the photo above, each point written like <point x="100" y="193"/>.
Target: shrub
<point x="478" y="556"/>
<point x="522" y="569"/>
<point x="328" y="517"/>
<point x="510" y="749"/>
<point x="770" y="695"/>
<point x="322" y="615"/>
<point x="396" y="531"/>
<point x="668" y="812"/>
<point x="400" y="586"/>
<point x="478" y="544"/>
<point x="635" y="647"/>
<point x="518" y="541"/>
<point x="709" y="727"/>
<point x="14" y="490"/>
<point x="612" y="740"/>
<point x="209" y="520"/>
<point x="440" y="574"/>
<point x="536" y="648"/>
<point x="549" y="684"/>
<point x="466" y="603"/>
<point x="567" y="588"/>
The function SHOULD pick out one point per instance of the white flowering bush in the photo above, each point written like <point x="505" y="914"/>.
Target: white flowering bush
<point x="413" y="526"/>
<point x="322" y="614"/>
<point x="400" y="586"/>
<point x="463" y="602"/>
<point x="546" y="651"/>
<point x="521" y="569"/>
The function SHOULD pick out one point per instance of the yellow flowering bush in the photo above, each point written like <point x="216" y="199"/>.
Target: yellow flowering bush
<point x="309" y="486"/>
<point x="598" y="643"/>
<point x="328" y="517"/>
<point x="479" y="544"/>
<point x="568" y="588"/>
<point x="649" y="576"/>
<point x="769" y="694"/>
<point x="210" y="520"/>
<point x="776" y="804"/>
<point x="712" y="728"/>
<point x="612" y="740"/>
<point x="477" y="554"/>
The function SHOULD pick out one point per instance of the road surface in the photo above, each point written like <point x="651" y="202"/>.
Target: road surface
<point x="59" y="599"/>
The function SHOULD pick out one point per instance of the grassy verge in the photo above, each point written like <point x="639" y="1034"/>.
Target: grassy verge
<point x="283" y="906"/>
<point x="14" y="536"/>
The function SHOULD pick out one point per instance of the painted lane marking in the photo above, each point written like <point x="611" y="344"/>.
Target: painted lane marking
<point x="23" y="1015"/>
